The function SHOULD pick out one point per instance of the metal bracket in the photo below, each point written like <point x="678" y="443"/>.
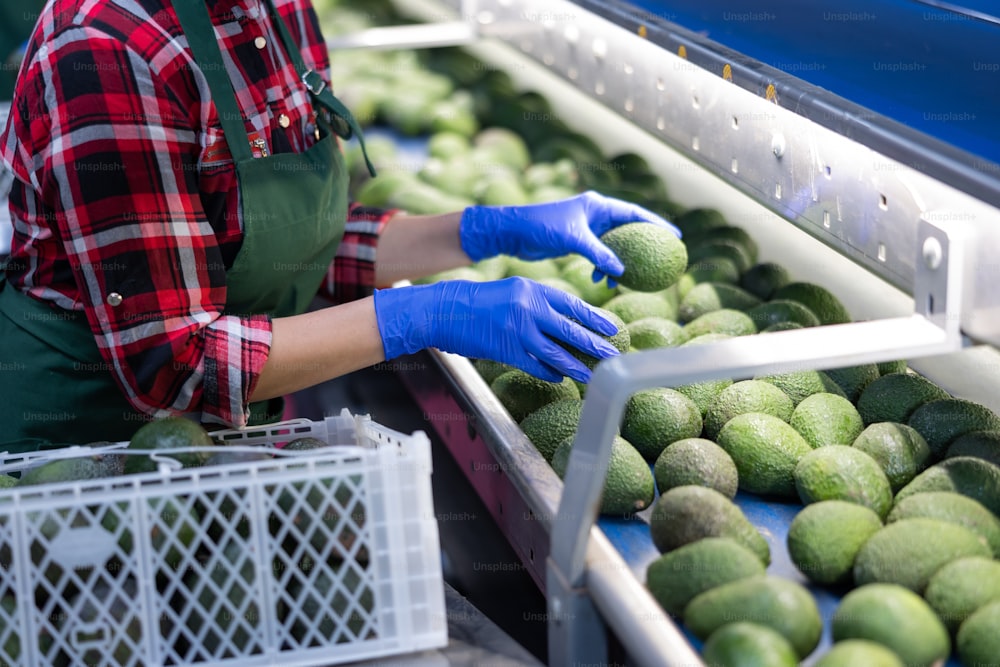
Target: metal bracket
<point x="933" y="329"/>
<point x="436" y="33"/>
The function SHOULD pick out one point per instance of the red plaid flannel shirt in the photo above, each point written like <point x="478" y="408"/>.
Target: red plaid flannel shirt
<point x="124" y="184"/>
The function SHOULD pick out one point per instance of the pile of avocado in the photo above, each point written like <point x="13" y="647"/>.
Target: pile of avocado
<point x="898" y="480"/>
<point x="200" y="546"/>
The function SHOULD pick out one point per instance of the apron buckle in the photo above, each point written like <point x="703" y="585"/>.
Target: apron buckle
<point x="313" y="82"/>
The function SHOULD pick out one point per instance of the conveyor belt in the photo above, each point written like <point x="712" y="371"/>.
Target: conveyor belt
<point x="931" y="68"/>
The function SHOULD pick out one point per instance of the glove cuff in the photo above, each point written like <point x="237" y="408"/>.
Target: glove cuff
<point x="478" y="233"/>
<point x="397" y="311"/>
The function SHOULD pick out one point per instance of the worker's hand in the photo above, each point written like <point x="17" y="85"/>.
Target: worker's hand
<point x="515" y="321"/>
<point x="539" y="231"/>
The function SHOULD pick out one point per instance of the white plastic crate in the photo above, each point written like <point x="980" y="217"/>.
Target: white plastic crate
<point x="316" y="557"/>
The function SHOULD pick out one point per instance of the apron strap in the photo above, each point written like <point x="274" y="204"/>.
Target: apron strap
<point x="197" y="27"/>
<point x="318" y="90"/>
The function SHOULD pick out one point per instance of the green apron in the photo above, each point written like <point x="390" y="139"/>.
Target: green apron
<point x="55" y="388"/>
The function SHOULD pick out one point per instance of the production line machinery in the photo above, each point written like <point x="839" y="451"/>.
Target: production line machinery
<point x="855" y="141"/>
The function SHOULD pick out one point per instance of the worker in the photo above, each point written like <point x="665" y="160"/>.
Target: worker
<point x="180" y="199"/>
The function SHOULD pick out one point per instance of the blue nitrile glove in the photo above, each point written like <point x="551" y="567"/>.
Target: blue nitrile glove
<point x="515" y="321"/>
<point x="540" y="231"/>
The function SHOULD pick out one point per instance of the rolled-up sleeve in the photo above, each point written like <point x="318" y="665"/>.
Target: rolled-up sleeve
<point x="352" y="274"/>
<point x="116" y="164"/>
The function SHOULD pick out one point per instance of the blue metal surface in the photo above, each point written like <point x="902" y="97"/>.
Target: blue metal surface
<point x="771" y="518"/>
<point x="935" y="70"/>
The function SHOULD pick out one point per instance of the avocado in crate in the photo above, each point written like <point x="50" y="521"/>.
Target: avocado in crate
<point x="301" y="554"/>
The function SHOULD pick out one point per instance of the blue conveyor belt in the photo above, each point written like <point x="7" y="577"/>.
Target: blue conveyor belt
<point x="935" y="70"/>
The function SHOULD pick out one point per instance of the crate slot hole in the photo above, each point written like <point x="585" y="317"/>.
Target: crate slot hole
<point x="883" y="202"/>
<point x="735" y="166"/>
<point x="882" y="253"/>
<point x="736" y="123"/>
<point x="695" y="143"/>
<point x="777" y="190"/>
<point x="826" y="219"/>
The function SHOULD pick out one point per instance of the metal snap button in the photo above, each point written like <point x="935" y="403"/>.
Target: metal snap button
<point x="284" y="121"/>
<point x="260" y="43"/>
<point x="115" y="299"/>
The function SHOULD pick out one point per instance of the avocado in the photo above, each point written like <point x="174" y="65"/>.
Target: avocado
<point x="696" y="219"/>
<point x="696" y="461"/>
<point x="707" y="297"/>
<point x="824" y="539"/>
<point x="620" y="340"/>
<point x="953" y="508"/>
<point x="716" y="270"/>
<point x="975" y="478"/>
<point x="827" y="307"/>
<point x="841" y="472"/>
<point x="747" y="396"/>
<point x="941" y="421"/>
<point x="899" y="450"/>
<point x="852" y="380"/>
<point x="522" y="393"/>
<point x="459" y="273"/>
<point x="731" y="250"/>
<point x="782" y="310"/>
<point x="732" y="233"/>
<point x="782" y="605"/>
<point x="453" y="115"/>
<point x="855" y="652"/>
<point x="166" y="433"/>
<point x="638" y="305"/>
<point x="628" y="486"/>
<point x="503" y="146"/>
<point x="492" y="268"/>
<point x="800" y="384"/>
<point x="763" y="280"/>
<point x="419" y="198"/>
<point x="456" y="176"/>
<point x="978" y="640"/>
<point x="765" y="451"/>
<point x="686" y="514"/>
<point x="896" y="366"/>
<point x="535" y="270"/>
<point x="704" y="393"/>
<point x="500" y="190"/>
<point x="725" y="321"/>
<point x="983" y="445"/>
<point x="446" y="145"/>
<point x="961" y="587"/>
<point x="226" y="456"/>
<point x="909" y="551"/>
<point x="7" y="481"/>
<point x="894" y="397"/>
<point x="677" y="577"/>
<point x="657" y="417"/>
<point x="550" y="424"/>
<point x="73" y="469"/>
<point x="653" y="256"/>
<point x="559" y="284"/>
<point x="579" y="273"/>
<point x="648" y="333"/>
<point x="305" y="444"/>
<point x="744" y="644"/>
<point x="896" y="618"/>
<point x="826" y="419"/>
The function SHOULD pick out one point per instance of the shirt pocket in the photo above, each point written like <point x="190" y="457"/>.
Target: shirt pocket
<point x="214" y="150"/>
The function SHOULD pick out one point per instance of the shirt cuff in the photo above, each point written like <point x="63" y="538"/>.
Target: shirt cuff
<point x="352" y="274"/>
<point x="236" y="350"/>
